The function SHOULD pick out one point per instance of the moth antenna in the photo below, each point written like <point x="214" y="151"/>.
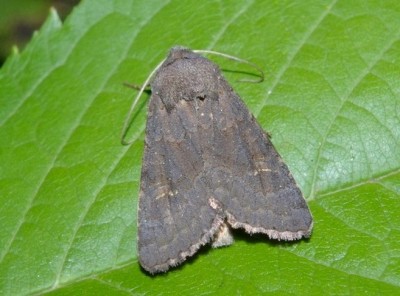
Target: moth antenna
<point x="135" y="101"/>
<point x="261" y="79"/>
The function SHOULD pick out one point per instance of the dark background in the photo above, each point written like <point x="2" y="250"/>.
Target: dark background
<point x="19" y="19"/>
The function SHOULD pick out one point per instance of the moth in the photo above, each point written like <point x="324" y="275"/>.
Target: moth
<point x="208" y="167"/>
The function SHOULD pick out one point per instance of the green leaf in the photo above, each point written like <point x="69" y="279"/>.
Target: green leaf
<point x="331" y="101"/>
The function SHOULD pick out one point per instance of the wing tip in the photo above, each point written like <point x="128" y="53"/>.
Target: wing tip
<point x="183" y="255"/>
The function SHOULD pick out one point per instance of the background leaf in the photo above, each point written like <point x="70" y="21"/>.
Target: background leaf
<point x="331" y="101"/>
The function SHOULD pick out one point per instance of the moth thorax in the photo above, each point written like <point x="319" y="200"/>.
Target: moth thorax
<point x="186" y="79"/>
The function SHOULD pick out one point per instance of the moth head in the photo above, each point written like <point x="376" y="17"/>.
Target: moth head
<point x="186" y="76"/>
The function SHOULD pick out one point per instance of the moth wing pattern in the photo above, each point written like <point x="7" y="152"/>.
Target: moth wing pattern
<point x="208" y="166"/>
<point x="175" y="218"/>
<point x="250" y="180"/>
